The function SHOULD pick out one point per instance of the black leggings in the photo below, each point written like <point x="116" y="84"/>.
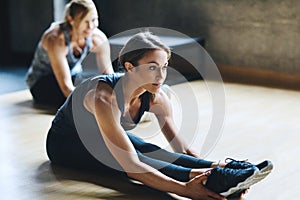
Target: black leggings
<point x="72" y="153"/>
<point x="46" y="90"/>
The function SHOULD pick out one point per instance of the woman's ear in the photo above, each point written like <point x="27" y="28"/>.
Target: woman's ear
<point x="128" y="66"/>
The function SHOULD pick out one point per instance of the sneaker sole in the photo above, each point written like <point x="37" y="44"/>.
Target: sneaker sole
<point x="266" y="170"/>
<point x="253" y="179"/>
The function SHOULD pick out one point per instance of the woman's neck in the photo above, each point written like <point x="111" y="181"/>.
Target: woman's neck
<point x="76" y="38"/>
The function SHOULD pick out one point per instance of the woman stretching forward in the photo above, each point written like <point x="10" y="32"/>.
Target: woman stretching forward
<point x="90" y="130"/>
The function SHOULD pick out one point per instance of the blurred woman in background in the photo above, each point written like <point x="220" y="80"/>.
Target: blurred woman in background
<point x="58" y="57"/>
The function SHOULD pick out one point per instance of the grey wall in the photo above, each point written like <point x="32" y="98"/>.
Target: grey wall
<point x="24" y="24"/>
<point x="252" y="33"/>
<point x="28" y="19"/>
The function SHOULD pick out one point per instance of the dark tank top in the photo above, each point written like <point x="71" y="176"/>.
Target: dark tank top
<point x="77" y="127"/>
<point x="73" y="116"/>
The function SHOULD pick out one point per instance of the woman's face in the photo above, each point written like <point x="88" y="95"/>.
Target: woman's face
<point x="151" y="71"/>
<point x="85" y="26"/>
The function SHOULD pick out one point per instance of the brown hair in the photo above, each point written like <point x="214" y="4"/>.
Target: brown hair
<point x="138" y="45"/>
<point x="78" y="7"/>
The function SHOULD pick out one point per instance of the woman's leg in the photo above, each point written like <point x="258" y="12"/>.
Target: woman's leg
<point x="155" y="152"/>
<point x="174" y="171"/>
<point x="46" y="91"/>
<point x="69" y="151"/>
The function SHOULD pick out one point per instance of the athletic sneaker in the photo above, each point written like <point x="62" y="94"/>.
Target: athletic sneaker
<point x="264" y="167"/>
<point x="227" y="181"/>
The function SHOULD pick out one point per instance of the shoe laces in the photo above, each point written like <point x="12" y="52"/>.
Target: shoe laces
<point x="228" y="160"/>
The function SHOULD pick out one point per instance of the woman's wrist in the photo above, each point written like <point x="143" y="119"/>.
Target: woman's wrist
<point x="180" y="189"/>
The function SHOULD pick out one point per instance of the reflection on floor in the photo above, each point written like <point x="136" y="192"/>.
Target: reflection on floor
<point x="12" y="79"/>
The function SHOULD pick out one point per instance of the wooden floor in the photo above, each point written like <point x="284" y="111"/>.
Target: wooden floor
<point x="260" y="123"/>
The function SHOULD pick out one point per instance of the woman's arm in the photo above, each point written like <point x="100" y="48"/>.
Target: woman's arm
<point x="54" y="43"/>
<point x="102" y="50"/>
<point x="102" y="103"/>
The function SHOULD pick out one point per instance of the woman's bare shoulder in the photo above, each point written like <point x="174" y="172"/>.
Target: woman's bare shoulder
<point x="160" y="98"/>
<point x="97" y="33"/>
<point x="53" y="36"/>
<point x="102" y="94"/>
<point x="98" y="38"/>
<point x="160" y="103"/>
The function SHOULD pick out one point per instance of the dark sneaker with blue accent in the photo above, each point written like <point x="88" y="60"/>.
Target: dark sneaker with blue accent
<point x="264" y="167"/>
<point x="227" y="181"/>
<point x="237" y="164"/>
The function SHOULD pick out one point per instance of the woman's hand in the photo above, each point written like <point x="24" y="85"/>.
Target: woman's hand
<point x="196" y="190"/>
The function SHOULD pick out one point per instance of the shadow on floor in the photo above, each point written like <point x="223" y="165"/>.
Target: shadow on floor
<point x="41" y="109"/>
<point x="119" y="182"/>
